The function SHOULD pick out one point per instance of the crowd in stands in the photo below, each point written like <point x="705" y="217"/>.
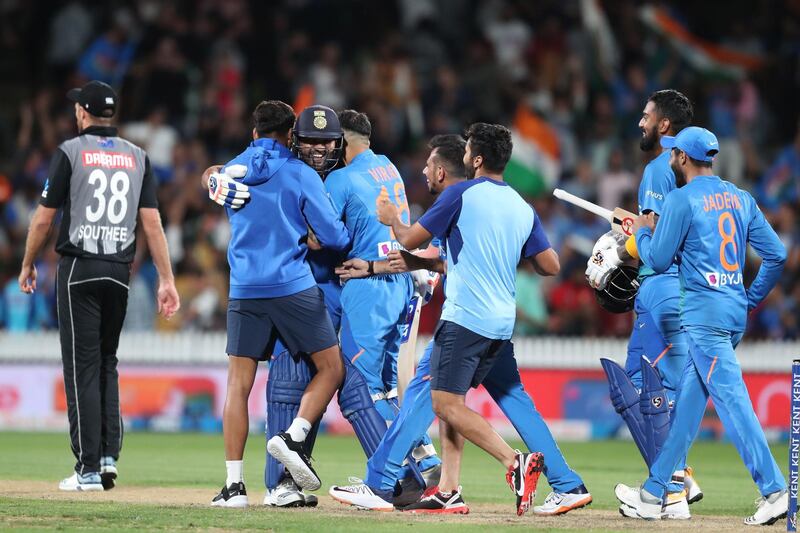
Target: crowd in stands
<point x="190" y="73"/>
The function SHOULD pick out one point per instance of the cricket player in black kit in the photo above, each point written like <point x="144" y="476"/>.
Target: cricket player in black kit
<point x="102" y="183"/>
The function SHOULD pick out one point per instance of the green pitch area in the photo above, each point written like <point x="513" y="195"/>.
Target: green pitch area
<point x="166" y="481"/>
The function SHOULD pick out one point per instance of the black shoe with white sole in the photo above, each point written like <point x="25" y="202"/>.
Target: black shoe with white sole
<point x="234" y="495"/>
<point x="291" y="454"/>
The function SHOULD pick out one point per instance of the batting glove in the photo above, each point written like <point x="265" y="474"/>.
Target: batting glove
<point x="601" y="265"/>
<point x="225" y="190"/>
<point x="425" y="282"/>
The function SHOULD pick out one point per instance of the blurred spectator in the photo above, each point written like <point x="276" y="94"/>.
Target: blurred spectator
<point x="107" y="59"/>
<point x="190" y="73"/>
<point x="158" y="138"/>
<point x="531" y="305"/>
<point x="781" y="182"/>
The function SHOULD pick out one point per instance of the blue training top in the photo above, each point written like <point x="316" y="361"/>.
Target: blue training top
<point x="267" y="250"/>
<point x="487" y="226"/>
<point x="709" y="223"/>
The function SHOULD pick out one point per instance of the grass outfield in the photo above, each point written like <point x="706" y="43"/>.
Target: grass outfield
<point x="166" y="481"/>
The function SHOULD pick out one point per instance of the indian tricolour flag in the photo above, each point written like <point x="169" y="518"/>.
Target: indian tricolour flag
<point x="534" y="167"/>
<point x="701" y="54"/>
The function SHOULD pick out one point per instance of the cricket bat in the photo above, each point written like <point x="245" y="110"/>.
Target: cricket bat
<point x="407" y="357"/>
<point x="620" y="220"/>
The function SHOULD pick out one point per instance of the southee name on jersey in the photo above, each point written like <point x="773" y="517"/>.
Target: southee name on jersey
<point x="102" y="233"/>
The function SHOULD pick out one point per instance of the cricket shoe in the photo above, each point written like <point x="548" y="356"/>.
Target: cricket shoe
<point x="434" y="501"/>
<point x="234" y="496"/>
<point x="81" y="483"/>
<point x="677" y="507"/>
<point x="522" y="477"/>
<point x="358" y="494"/>
<point x="637" y="503"/>
<point x="288" y="494"/>
<point x="108" y="472"/>
<point x="563" y="502"/>
<point x="292" y="455"/>
<point x="770" y="509"/>
<point x="693" y="491"/>
<point x="411" y="491"/>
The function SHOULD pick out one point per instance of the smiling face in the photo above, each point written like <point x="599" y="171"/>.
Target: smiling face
<point x="649" y="125"/>
<point x="315" y="152"/>
<point x="434" y="173"/>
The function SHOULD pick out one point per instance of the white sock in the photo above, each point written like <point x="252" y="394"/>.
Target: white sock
<point x="299" y="429"/>
<point x="234" y="469"/>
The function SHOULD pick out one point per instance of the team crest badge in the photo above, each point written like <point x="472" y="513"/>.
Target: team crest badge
<point x="319" y="120"/>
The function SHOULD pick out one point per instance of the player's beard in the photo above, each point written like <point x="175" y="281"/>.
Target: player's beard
<point x="648" y="140"/>
<point x="469" y="170"/>
<point x="680" y="176"/>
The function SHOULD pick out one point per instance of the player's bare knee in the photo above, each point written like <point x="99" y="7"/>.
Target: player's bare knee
<point x="444" y="405"/>
<point x="329" y="362"/>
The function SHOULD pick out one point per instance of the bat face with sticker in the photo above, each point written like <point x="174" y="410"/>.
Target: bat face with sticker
<point x="621" y="220"/>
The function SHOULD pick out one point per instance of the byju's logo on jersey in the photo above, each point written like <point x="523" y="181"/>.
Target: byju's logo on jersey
<point x="712" y="278"/>
<point x="656" y="195"/>
<point x="717" y="279"/>
<point x="104" y="142"/>
<point x="387" y="246"/>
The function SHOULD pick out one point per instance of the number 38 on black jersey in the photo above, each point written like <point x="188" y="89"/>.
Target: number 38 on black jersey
<point x="101" y="181"/>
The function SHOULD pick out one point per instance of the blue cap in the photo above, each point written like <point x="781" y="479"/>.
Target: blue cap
<point x="698" y="143"/>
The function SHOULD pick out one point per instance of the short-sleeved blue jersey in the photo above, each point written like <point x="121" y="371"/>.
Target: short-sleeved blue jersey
<point x="487" y="226"/>
<point x="355" y="191"/>
<point x="658" y="180"/>
<point x="709" y="222"/>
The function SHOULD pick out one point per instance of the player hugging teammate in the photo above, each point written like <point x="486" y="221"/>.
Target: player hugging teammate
<point x="329" y="267"/>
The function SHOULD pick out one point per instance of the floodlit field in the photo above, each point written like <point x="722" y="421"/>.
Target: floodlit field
<point x="167" y="480"/>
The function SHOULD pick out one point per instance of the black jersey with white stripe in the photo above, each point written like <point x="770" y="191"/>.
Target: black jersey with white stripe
<point x="100" y="181"/>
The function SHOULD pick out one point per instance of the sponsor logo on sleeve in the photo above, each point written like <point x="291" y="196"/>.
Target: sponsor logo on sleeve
<point x="653" y="194"/>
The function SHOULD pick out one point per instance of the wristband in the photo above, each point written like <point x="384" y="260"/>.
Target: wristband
<point x="630" y="247"/>
<point x="371" y="268"/>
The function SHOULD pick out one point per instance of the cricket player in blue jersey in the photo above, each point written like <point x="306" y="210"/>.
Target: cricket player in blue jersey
<point x="373" y="308"/>
<point x="444" y="168"/>
<point x="317" y="140"/>
<point x="273" y="293"/>
<point x="707" y="223"/>
<point x="658" y="348"/>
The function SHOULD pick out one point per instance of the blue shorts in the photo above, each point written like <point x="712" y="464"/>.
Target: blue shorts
<point x="300" y="320"/>
<point x="332" y="292"/>
<point x="461" y="358"/>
